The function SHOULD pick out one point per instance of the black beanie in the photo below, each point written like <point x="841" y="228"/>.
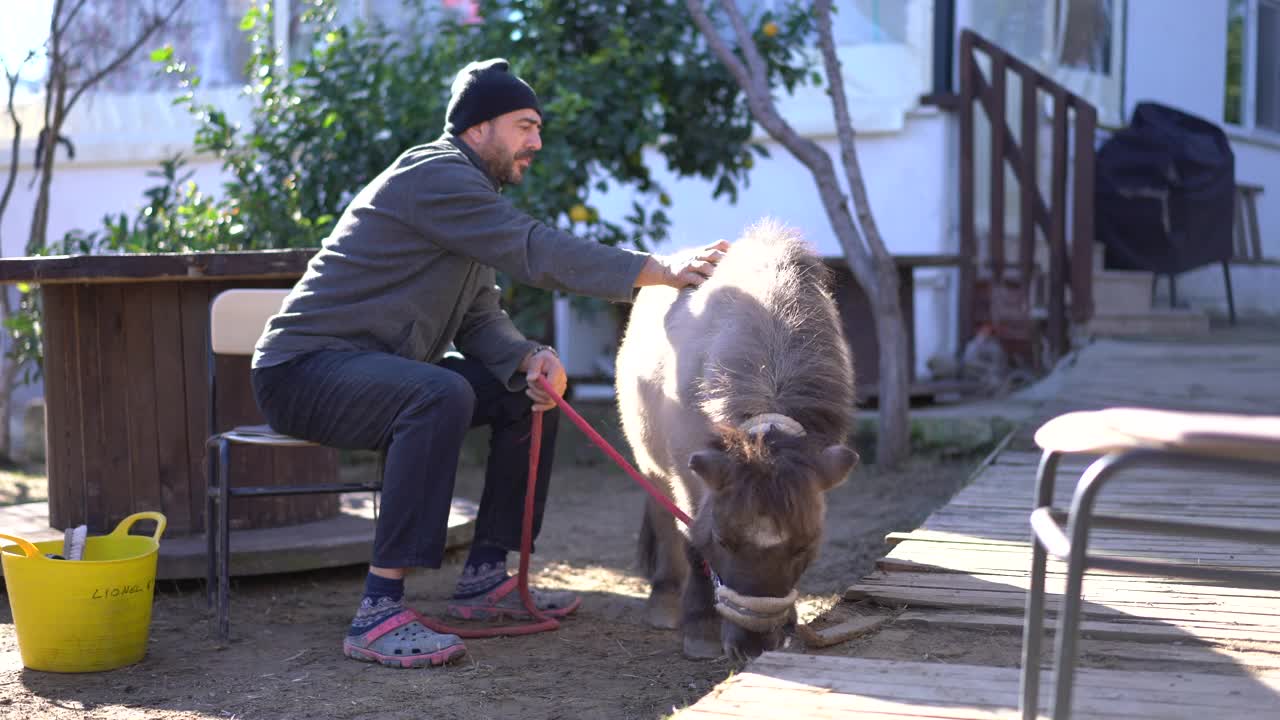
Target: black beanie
<point x="483" y="90"/>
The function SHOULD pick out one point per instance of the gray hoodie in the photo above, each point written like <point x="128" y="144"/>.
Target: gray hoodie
<point x="410" y="268"/>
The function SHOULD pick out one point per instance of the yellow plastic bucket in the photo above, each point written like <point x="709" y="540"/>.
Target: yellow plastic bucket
<point x="83" y="615"/>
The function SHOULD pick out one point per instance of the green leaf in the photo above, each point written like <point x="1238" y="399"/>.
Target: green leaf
<point x="250" y="20"/>
<point x="162" y="54"/>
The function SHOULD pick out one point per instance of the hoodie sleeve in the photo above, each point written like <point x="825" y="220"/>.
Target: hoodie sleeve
<point x="454" y="205"/>
<point x="488" y="335"/>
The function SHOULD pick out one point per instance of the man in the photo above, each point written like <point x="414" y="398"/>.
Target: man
<point x="356" y="358"/>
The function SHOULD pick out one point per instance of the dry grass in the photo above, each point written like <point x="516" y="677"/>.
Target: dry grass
<point x="23" y="486"/>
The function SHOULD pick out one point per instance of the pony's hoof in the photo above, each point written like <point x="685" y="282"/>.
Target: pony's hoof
<point x="663" y="612"/>
<point x="702" y="648"/>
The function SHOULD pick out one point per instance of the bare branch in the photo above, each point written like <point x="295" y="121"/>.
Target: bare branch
<point x="739" y="23"/>
<point x="71" y="16"/>
<point x="149" y="29"/>
<point x="809" y="153"/>
<point x="12" y="78"/>
<point x="718" y="46"/>
<point x="844" y="131"/>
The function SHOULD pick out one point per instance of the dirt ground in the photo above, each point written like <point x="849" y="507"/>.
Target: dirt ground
<point x="284" y="658"/>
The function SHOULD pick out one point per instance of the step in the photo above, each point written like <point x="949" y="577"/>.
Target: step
<point x="1121" y="292"/>
<point x="1154" y="322"/>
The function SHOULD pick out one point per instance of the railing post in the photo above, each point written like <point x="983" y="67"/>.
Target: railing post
<point x="967" y="249"/>
<point x="1028" y="182"/>
<point x="1082" y="236"/>
<point x="1058" y="228"/>
<point x="996" y="112"/>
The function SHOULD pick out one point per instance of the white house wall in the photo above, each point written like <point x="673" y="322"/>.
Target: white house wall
<point x="910" y="181"/>
<point x="83" y="193"/>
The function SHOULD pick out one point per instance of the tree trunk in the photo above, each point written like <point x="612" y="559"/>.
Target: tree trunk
<point x="8" y="380"/>
<point x="893" y="436"/>
<point x="55" y="114"/>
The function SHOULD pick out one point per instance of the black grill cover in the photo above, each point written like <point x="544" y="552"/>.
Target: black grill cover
<point x="1165" y="192"/>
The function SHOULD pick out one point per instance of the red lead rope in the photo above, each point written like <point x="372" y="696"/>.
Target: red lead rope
<point x="608" y="449"/>
<point x="541" y="622"/>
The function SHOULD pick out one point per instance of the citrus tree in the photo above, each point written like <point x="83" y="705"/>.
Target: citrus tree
<point x="612" y="81"/>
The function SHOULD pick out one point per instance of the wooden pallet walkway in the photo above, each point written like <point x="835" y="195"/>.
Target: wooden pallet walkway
<point x="967" y="567"/>
<point x="785" y="685"/>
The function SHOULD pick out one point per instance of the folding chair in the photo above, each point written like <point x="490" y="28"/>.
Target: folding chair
<point x="1130" y="439"/>
<point x="236" y="320"/>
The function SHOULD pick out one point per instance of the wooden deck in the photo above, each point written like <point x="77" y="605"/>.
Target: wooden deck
<point x="967" y="566"/>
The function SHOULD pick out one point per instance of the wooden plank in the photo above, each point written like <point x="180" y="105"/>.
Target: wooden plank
<point x="173" y="466"/>
<point x="840" y="632"/>
<point x="118" y="500"/>
<point x="137" y="362"/>
<point x="1263" y="609"/>
<point x="1131" y="641"/>
<point x="1220" y="554"/>
<point x="1020" y="582"/>
<point x="157" y="267"/>
<point x="64" y="449"/>
<point x="989" y="685"/>
<point x="193" y="308"/>
<point x="1263" y="625"/>
<point x="797" y="686"/>
<point x="94" y="476"/>
<point x="957" y="555"/>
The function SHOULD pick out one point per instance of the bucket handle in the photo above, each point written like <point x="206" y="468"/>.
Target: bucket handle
<point x="31" y="550"/>
<point x="127" y="523"/>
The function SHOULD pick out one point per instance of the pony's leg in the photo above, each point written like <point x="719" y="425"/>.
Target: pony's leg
<point x="701" y="623"/>
<point x="662" y="553"/>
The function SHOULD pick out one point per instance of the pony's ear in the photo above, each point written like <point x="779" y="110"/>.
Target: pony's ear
<point x="835" y="463"/>
<point x="712" y="466"/>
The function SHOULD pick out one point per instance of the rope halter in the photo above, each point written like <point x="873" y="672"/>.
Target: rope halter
<point x="764" y="422"/>
<point x="749" y="612"/>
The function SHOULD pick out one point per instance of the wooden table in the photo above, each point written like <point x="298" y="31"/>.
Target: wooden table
<point x="126" y="389"/>
<point x="859" y="320"/>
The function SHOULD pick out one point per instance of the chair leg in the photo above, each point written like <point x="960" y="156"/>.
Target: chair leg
<point x="1067" y="635"/>
<point x="1231" y="298"/>
<point x="211" y="497"/>
<point x="1033" y="621"/>
<point x="224" y="541"/>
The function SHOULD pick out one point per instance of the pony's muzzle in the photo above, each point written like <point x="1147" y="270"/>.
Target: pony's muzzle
<point x="757" y="614"/>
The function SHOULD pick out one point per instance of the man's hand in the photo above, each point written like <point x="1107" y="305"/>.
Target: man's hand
<point x="689" y="268"/>
<point x="544" y="363"/>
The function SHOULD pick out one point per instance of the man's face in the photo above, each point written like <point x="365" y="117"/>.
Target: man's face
<point x="509" y="143"/>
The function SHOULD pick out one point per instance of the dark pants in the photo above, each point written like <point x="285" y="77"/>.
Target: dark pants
<point x="418" y="414"/>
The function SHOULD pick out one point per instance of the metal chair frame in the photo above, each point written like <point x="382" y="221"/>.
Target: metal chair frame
<point x="1071" y="546"/>
<point x="218" y="448"/>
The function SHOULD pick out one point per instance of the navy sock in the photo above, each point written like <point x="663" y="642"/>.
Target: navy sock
<point x="383" y="597"/>
<point x="485" y="569"/>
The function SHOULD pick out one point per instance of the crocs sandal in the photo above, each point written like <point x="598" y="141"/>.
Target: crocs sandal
<point x="403" y="641"/>
<point x="504" y="602"/>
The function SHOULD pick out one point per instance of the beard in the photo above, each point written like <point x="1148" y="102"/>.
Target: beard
<point x="503" y="165"/>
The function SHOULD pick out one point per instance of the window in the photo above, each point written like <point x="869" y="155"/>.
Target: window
<point x="870" y="21"/>
<point x="1252" y="98"/>
<point x="1084" y="34"/>
<point x="205" y="33"/>
<point x="1079" y="43"/>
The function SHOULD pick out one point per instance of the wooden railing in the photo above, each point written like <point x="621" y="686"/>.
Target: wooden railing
<point x="1070" y="264"/>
